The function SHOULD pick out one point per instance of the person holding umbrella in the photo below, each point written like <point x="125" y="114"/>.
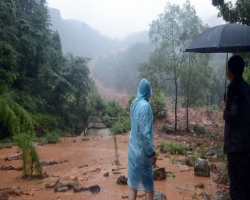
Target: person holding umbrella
<point x="141" y="153"/>
<point x="236" y="113"/>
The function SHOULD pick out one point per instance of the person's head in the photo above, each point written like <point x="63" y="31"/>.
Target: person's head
<point x="144" y="90"/>
<point x="236" y="66"/>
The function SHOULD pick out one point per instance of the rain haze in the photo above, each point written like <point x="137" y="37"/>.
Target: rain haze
<point x="119" y="18"/>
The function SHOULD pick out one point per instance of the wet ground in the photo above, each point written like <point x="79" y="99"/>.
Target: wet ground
<point x="89" y="160"/>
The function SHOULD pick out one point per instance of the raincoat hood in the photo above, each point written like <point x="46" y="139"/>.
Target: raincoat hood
<point x="144" y="90"/>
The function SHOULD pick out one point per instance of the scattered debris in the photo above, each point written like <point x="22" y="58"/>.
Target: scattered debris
<point x="122" y="180"/>
<point x="201" y="168"/>
<point x="160" y="174"/>
<point x="83" y="166"/>
<point x="80" y="189"/>
<point x="138" y="195"/>
<point x="46" y="164"/>
<point x="200" y="185"/>
<point x="116" y="172"/>
<point x="7" y="168"/>
<point x="14" y="191"/>
<point x="181" y="187"/>
<point x="117" y="169"/>
<point x="94" y="189"/>
<point x="106" y="174"/>
<point x="15" y="156"/>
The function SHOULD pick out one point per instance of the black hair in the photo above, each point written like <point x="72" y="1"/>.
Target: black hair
<point x="236" y="65"/>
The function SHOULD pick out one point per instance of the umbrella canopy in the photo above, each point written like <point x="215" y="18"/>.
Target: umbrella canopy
<point x="223" y="38"/>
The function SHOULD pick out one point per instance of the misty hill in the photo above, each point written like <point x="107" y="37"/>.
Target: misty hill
<point x="80" y="39"/>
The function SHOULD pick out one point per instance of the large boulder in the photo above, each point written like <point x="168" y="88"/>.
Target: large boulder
<point x="160" y="174"/>
<point x="159" y="196"/>
<point x="201" y="168"/>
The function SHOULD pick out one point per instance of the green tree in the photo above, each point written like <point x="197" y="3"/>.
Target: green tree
<point x="196" y="82"/>
<point x="8" y="53"/>
<point x="171" y="33"/>
<point x="240" y="12"/>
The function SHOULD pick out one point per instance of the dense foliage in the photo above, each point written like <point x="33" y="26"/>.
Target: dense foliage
<point x="171" y="33"/>
<point x="41" y="89"/>
<point x="30" y="160"/>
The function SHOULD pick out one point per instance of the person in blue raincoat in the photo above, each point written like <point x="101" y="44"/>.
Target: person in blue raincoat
<point x="141" y="152"/>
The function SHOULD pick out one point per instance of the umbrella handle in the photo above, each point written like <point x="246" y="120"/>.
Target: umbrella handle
<point x="225" y="94"/>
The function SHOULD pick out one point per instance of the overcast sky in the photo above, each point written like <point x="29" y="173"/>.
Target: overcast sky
<point x="118" y="18"/>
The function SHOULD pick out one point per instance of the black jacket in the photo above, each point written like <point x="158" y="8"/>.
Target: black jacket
<point x="237" y="117"/>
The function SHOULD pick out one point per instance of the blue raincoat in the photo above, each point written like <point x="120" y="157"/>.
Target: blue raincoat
<point x="141" y="149"/>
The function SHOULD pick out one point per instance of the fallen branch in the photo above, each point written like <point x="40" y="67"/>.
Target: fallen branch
<point x="139" y="196"/>
<point x="118" y="169"/>
<point x="15" y="191"/>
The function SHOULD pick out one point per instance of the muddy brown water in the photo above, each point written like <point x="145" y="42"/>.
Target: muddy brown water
<point x="97" y="155"/>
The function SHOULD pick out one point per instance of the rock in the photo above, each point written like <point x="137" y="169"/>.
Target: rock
<point x="106" y="174"/>
<point x="8" y="145"/>
<point x="122" y="180"/>
<point x="80" y="189"/>
<point x="44" y="164"/>
<point x="96" y="125"/>
<point x="71" y="185"/>
<point x="159" y="196"/>
<point x="93" y="119"/>
<point x="200" y="185"/>
<point x="201" y="168"/>
<point x="181" y="187"/>
<point x="116" y="172"/>
<point x="213" y="168"/>
<point x="185" y="169"/>
<point x="94" y="189"/>
<point x="4" y="197"/>
<point x="58" y="185"/>
<point x="62" y="189"/>
<point x="160" y="174"/>
<point x="48" y="185"/>
<point x="83" y="166"/>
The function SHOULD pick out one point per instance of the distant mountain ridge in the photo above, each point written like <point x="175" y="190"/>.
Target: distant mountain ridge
<point x="78" y="37"/>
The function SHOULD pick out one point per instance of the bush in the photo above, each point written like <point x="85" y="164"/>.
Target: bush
<point x="50" y="138"/>
<point x="158" y="105"/>
<point x="30" y="159"/>
<point x="200" y="130"/>
<point x="164" y="128"/>
<point x="13" y="118"/>
<point x="44" y="123"/>
<point x="176" y="149"/>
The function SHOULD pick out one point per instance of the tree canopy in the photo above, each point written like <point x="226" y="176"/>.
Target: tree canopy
<point x="171" y="33"/>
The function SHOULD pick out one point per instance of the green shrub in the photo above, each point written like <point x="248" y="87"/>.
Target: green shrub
<point x="174" y="148"/>
<point x="30" y="159"/>
<point x="50" y="137"/>
<point x="114" y="109"/>
<point x="158" y="105"/>
<point x="164" y="128"/>
<point x="44" y="122"/>
<point x="117" y="128"/>
<point x="13" y="118"/>
<point x="200" y="130"/>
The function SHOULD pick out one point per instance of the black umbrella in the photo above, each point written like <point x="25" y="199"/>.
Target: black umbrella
<point x="226" y="38"/>
<point x="223" y="38"/>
